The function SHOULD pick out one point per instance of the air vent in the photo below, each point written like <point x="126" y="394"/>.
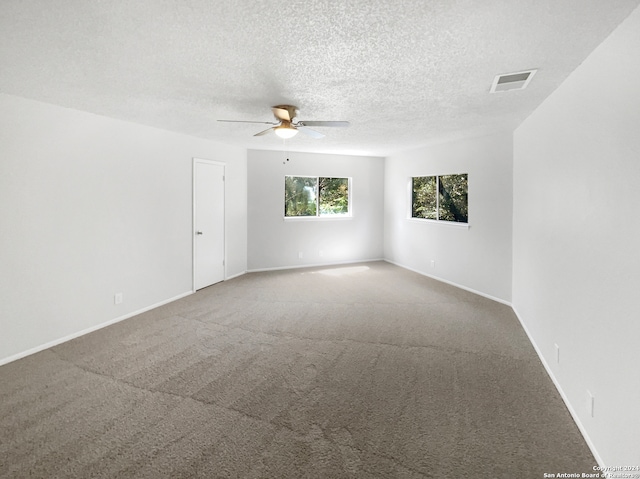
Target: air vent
<point x="512" y="81"/>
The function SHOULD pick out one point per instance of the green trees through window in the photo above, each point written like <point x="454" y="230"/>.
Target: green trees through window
<point x="316" y="196"/>
<point x="425" y="198"/>
<point x="300" y="196"/>
<point x="443" y="198"/>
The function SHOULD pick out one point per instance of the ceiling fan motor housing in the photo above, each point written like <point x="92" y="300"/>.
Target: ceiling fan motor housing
<point x="285" y="112"/>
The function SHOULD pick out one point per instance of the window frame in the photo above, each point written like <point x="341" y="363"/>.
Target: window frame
<point x="318" y="216"/>
<point x="437" y="220"/>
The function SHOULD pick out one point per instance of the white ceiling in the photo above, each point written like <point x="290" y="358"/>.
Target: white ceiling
<point x="404" y="72"/>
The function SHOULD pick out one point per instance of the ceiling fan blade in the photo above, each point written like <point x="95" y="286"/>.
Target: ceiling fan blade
<point x="341" y="124"/>
<point x="281" y="113"/>
<point x="264" y="132"/>
<point x="243" y="121"/>
<point x="310" y="132"/>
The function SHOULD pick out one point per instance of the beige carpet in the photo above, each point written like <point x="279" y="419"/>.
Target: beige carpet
<point x="365" y="370"/>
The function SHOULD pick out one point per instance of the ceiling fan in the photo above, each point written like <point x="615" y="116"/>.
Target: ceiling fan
<point x="288" y="125"/>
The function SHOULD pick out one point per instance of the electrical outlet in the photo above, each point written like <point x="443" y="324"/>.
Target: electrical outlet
<point x="433" y="263"/>
<point x="117" y="298"/>
<point x="557" y="354"/>
<point x="591" y="404"/>
<point x="300" y="255"/>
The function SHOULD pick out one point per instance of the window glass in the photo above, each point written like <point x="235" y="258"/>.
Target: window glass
<point x="452" y="199"/>
<point x="333" y="196"/>
<point x="442" y="198"/>
<point x="316" y="196"/>
<point x="425" y="199"/>
<point x="300" y="196"/>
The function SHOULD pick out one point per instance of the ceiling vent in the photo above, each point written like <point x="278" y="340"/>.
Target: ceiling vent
<point x="512" y="81"/>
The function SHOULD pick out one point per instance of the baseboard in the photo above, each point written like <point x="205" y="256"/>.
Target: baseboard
<point x="315" y="265"/>
<point x="235" y="275"/>
<point x="69" y="337"/>
<point x="547" y="368"/>
<point x="564" y="397"/>
<point x="451" y="283"/>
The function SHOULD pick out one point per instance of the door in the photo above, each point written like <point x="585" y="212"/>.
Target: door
<point x="208" y="220"/>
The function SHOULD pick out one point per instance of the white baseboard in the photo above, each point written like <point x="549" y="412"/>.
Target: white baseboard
<point x="547" y="368"/>
<point x="471" y="290"/>
<point x="69" y="337"/>
<point x="315" y="265"/>
<point x="564" y="397"/>
<point x="556" y="383"/>
<point x="235" y="276"/>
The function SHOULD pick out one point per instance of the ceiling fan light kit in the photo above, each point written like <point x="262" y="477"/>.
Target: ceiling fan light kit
<point x="288" y="125"/>
<point x="285" y="130"/>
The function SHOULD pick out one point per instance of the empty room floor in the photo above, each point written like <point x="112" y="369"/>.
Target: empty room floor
<point x="361" y="370"/>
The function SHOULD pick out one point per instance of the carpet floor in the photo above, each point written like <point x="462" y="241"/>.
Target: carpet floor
<point x="365" y="370"/>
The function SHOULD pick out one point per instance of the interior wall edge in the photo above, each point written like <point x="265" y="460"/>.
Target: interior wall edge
<point x="558" y="387"/>
<point x="69" y="337"/>
<point x="546" y="366"/>
<point x="237" y="275"/>
<point x="451" y="283"/>
<point x="316" y="265"/>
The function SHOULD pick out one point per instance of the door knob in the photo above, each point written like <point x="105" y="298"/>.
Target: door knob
<point x="198" y="232"/>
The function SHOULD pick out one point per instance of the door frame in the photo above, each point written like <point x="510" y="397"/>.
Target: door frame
<point x="193" y="217"/>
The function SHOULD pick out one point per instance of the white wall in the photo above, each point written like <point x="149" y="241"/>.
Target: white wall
<point x="477" y="258"/>
<point x="275" y="243"/>
<point x="576" y="235"/>
<point x="91" y="206"/>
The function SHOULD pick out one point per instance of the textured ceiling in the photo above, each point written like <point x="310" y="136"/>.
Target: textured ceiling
<point x="404" y="73"/>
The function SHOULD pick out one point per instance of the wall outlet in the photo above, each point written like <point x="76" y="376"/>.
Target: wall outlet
<point x="591" y="404"/>
<point x="557" y="354"/>
<point x="321" y="253"/>
<point x="433" y="263"/>
<point x="117" y="298"/>
<point x="300" y="255"/>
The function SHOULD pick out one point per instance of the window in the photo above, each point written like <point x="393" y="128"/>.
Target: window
<point x="316" y="196"/>
<point x="442" y="198"/>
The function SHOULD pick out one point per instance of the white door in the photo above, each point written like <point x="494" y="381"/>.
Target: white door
<point x="208" y="208"/>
